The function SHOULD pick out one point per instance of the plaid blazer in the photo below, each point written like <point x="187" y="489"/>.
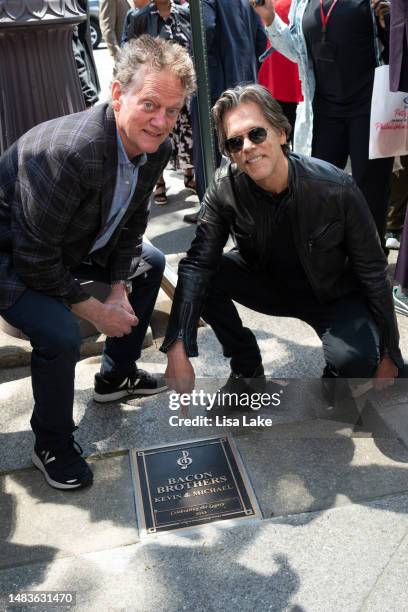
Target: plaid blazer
<point x="56" y="188"/>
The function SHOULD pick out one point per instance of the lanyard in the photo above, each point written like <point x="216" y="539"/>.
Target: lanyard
<point x="325" y="18"/>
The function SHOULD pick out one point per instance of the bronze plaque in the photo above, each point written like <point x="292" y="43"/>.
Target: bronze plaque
<point x="190" y="483"/>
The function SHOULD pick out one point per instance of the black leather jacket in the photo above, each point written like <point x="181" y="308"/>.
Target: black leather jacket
<point x="333" y="230"/>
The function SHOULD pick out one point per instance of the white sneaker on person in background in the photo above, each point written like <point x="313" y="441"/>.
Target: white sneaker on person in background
<point x="392" y="240"/>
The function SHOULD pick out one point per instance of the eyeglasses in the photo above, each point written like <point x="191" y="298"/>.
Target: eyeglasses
<point x="257" y="135"/>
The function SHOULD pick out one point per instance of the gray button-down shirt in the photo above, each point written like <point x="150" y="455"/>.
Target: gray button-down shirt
<point x="126" y="180"/>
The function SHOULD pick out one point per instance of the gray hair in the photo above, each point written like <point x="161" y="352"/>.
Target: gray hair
<point x="242" y="94"/>
<point x="156" y="54"/>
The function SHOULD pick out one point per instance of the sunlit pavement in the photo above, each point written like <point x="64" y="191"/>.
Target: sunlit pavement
<point x="333" y="495"/>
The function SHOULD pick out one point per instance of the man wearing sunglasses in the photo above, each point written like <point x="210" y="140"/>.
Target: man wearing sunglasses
<point x="306" y="247"/>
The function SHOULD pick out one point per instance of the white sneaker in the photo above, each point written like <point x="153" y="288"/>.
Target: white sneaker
<point x="392" y="240"/>
<point x="400" y="301"/>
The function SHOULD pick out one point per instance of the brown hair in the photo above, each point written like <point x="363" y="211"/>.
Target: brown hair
<point x="271" y="110"/>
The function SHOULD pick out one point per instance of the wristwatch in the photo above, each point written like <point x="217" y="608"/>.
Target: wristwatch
<point x="127" y="284"/>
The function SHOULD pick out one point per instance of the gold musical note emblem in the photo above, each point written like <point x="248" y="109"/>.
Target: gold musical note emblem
<point x="185" y="460"/>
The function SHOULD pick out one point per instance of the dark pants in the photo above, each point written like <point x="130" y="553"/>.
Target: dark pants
<point x="398" y="197"/>
<point x="401" y="270"/>
<point x="289" y="110"/>
<point x="334" y="139"/>
<point x="54" y="335"/>
<point x="399" y="201"/>
<point x="346" y="328"/>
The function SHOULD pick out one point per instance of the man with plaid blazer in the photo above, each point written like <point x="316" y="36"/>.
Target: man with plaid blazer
<point x="74" y="203"/>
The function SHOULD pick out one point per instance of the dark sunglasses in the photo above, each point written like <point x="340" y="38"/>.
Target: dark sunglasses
<point x="235" y="144"/>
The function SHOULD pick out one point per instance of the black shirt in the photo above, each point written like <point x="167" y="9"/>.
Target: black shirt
<point x="343" y="86"/>
<point x="273" y="238"/>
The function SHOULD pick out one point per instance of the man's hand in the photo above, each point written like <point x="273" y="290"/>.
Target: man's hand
<point x="115" y="321"/>
<point x="110" y="319"/>
<point x="385" y="374"/>
<point x="179" y="373"/>
<point x="266" y="11"/>
<point x="119" y="296"/>
<point x="381" y="8"/>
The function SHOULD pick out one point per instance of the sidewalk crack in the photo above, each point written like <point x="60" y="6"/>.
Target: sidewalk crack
<point x="400" y="543"/>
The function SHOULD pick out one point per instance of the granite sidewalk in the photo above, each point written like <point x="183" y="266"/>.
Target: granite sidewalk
<point x="334" y="496"/>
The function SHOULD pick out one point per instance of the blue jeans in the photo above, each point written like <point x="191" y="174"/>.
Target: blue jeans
<point x="54" y="335"/>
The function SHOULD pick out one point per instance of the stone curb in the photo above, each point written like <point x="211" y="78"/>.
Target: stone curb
<point x="15" y="353"/>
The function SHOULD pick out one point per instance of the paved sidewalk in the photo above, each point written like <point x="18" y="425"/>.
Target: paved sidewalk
<point x="333" y="495"/>
<point x="334" y="498"/>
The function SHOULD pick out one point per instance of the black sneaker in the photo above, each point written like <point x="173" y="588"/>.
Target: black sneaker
<point x="62" y="466"/>
<point x="137" y="383"/>
<point x="191" y="218"/>
<point x="237" y="391"/>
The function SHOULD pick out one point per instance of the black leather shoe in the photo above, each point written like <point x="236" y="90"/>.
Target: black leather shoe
<point x="191" y="218"/>
<point x="339" y="400"/>
<point x="237" y="392"/>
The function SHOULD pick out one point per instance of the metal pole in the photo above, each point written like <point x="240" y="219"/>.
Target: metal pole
<point x="203" y="89"/>
<point x="38" y="75"/>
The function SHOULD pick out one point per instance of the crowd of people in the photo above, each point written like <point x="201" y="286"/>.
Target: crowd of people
<point x="290" y="96"/>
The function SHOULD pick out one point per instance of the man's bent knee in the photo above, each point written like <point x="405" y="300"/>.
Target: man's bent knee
<point x="157" y="261"/>
<point x="55" y="341"/>
<point x="353" y="364"/>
